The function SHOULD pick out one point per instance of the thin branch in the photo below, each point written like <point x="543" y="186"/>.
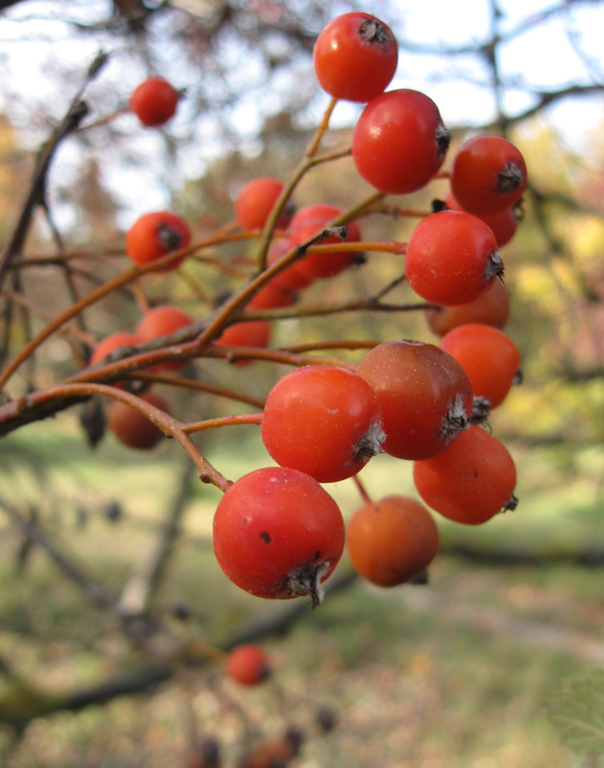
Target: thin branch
<point x="543" y="99"/>
<point x="36" y="196"/>
<point x="201" y="386"/>
<point x="237" y="419"/>
<point x="170" y="426"/>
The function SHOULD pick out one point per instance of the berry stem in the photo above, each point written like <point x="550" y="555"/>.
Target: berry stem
<point x="322" y="128"/>
<point x="391" y="247"/>
<point x="223" y="421"/>
<point x="315" y="346"/>
<point x="395" y="211"/>
<point x="362" y="490"/>
<point x="104" y="120"/>
<point x="201" y="386"/>
<point x="371" y="304"/>
<point x="303" y="167"/>
<point x="338" y="155"/>
<point x="140" y="297"/>
<point x="271" y="355"/>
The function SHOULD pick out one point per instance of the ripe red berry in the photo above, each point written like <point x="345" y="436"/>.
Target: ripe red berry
<point x="255" y="202"/>
<point x="491" y="308"/>
<point x="317" y="214"/>
<point x="391" y="540"/>
<point x="452" y="258"/>
<point x="248" y="664"/>
<point x="272" y="296"/>
<point x="355" y="57"/>
<point x="131" y="427"/>
<point x="253" y="333"/>
<point x="309" y="222"/>
<point x="471" y="481"/>
<point x="399" y="142"/>
<point x="425" y="397"/>
<point x="111" y="343"/>
<point x="154" y="101"/>
<point x="489" y="357"/>
<point x="163" y="321"/>
<point x="278" y="534"/>
<point x="322" y="420"/>
<point x="503" y="225"/>
<point x="488" y="175"/>
<point x="154" y="235"/>
<point x="291" y="279"/>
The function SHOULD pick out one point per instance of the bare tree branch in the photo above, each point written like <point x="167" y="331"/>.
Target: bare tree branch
<point x="36" y="197"/>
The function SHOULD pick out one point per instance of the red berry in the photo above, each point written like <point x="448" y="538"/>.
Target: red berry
<point x="471" y="481"/>
<point x="111" y="343"/>
<point x="163" y="321"/>
<point x="452" y="258"/>
<point x="399" y="142"/>
<point x="255" y="202"/>
<point x="488" y="175"/>
<point x="272" y="296"/>
<point x="309" y="222"/>
<point x="154" y="235"/>
<point x="154" y="101"/>
<point x="503" y="225"/>
<point x="355" y="57"/>
<point x="278" y="534"/>
<point x="317" y="214"/>
<point x="489" y="357"/>
<point x="133" y="428"/>
<point x="248" y="664"/>
<point x="290" y="278"/>
<point x="425" y="397"/>
<point x="491" y="308"/>
<point x="252" y="333"/>
<point x="275" y="752"/>
<point x="391" y="540"/>
<point x="322" y="420"/>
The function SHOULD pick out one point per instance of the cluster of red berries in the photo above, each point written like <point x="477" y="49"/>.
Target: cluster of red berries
<point x="277" y="532"/>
